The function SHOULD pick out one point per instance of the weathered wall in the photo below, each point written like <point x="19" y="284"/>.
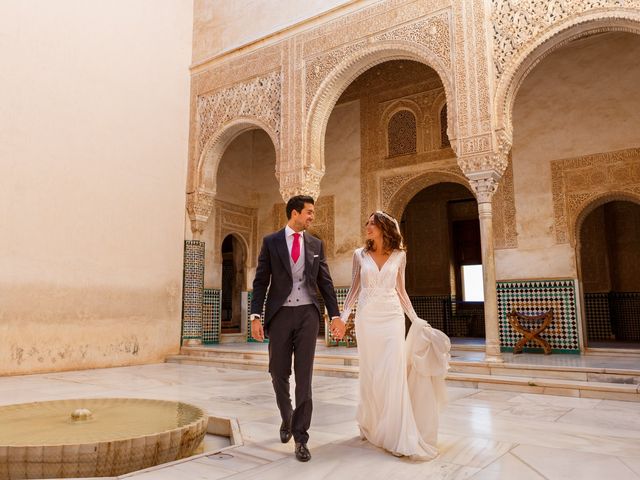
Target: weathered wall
<point x="93" y="145"/>
<point x="582" y="99"/>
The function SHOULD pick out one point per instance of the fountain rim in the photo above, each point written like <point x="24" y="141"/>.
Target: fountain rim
<point x="204" y="417"/>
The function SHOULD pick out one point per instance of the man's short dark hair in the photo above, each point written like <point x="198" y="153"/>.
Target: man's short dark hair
<point x="297" y="203"/>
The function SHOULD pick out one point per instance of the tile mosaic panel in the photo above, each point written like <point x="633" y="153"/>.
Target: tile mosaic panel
<point x="596" y="313"/>
<point x="435" y="309"/>
<point x="193" y="286"/>
<point x="467" y="320"/>
<point x="211" y="308"/>
<point x="534" y="298"/>
<point x="625" y="315"/>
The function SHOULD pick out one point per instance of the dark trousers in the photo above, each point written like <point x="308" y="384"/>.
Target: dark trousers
<point x="294" y="331"/>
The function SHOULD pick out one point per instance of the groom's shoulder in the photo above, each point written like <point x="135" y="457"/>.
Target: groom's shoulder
<point x="272" y="236"/>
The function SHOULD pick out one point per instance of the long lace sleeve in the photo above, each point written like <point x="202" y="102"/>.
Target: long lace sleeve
<point x="405" y="301"/>
<point x="354" y="290"/>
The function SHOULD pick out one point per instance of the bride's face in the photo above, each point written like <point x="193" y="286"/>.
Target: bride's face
<point x="373" y="231"/>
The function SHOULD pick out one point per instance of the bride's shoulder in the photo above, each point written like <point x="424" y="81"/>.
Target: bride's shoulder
<point x="358" y="252"/>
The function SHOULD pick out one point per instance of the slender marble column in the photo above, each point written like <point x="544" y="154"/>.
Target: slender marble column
<point x="484" y="184"/>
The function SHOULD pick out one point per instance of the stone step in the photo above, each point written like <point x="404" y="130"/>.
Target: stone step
<point x="564" y="381"/>
<point x="548" y="386"/>
<point x="579" y="373"/>
<point x="260" y="364"/>
<point x="458" y="365"/>
<point x="239" y="353"/>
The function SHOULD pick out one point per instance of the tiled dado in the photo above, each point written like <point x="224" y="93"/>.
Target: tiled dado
<point x="193" y="286"/>
<point x="211" y="314"/>
<point x="536" y="297"/>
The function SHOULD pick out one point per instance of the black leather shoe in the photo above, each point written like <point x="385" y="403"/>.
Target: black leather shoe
<point x="302" y="452"/>
<point x="285" y="432"/>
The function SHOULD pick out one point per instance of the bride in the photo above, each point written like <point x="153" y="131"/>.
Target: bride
<point x="401" y="381"/>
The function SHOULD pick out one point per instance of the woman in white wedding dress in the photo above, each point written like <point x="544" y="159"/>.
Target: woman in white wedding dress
<point x="401" y="381"/>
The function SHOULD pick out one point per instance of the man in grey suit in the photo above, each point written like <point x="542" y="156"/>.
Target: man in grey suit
<point x="291" y="269"/>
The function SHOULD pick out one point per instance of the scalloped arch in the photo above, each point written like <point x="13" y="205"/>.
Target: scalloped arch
<point x="209" y="161"/>
<point x="399" y="201"/>
<point x="527" y="59"/>
<point x="348" y="70"/>
<point x="595" y="202"/>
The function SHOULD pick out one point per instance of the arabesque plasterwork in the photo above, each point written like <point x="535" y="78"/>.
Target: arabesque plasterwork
<point x="518" y="23"/>
<point x="578" y="182"/>
<point x="258" y="98"/>
<point x="282" y="83"/>
<point x="526" y="31"/>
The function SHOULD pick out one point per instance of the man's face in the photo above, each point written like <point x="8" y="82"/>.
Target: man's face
<point x="303" y="219"/>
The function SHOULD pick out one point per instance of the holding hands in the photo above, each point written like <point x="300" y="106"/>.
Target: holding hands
<point x="338" y="328"/>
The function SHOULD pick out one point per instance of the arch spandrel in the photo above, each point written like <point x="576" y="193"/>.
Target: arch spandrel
<point x="551" y="25"/>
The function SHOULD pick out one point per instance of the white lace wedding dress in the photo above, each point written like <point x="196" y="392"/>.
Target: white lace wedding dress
<point x="401" y="381"/>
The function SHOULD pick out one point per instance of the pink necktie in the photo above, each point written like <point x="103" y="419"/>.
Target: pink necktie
<point x="295" y="248"/>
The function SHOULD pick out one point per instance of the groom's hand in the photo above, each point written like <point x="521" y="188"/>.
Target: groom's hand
<point x="338" y="328"/>
<point x="257" y="331"/>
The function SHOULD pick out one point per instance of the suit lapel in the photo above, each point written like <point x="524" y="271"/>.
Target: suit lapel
<point x="309" y="252"/>
<point x="283" y="251"/>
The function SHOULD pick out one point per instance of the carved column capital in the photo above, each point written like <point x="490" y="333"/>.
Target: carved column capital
<point x="199" y="207"/>
<point x="502" y="147"/>
<point x="484" y="184"/>
<point x="301" y="181"/>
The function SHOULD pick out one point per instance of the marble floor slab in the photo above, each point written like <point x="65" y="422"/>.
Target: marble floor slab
<point x="484" y="434"/>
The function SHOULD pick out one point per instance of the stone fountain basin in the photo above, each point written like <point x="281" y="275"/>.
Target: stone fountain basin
<point x="121" y="435"/>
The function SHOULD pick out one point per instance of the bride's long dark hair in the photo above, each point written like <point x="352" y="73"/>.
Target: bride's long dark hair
<point x="391" y="236"/>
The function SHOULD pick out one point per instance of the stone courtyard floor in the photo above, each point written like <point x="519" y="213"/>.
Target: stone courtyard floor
<point x="484" y="434"/>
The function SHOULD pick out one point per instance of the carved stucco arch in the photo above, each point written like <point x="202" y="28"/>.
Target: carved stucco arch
<point x="593" y="202"/>
<point x="559" y="35"/>
<point x="414" y="185"/>
<point x="343" y="74"/>
<point x="209" y="161"/>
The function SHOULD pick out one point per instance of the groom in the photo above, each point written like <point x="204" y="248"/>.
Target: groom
<point x="291" y="268"/>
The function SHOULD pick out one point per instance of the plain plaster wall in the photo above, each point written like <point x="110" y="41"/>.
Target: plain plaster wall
<point x="93" y="144"/>
<point x="580" y="100"/>
<point x="342" y="180"/>
<point x="222" y="25"/>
